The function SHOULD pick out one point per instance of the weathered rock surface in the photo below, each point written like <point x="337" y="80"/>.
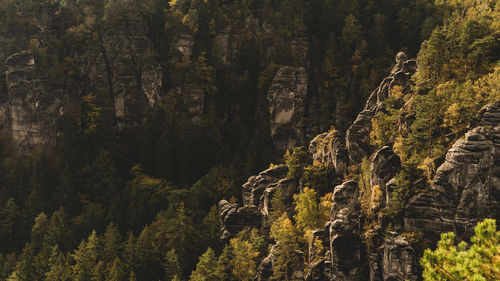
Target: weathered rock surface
<point x="124" y="63"/>
<point x="257" y="194"/>
<point x="345" y="239"/>
<point x="287" y="104"/>
<point x="466" y="187"/>
<point x="358" y="135"/>
<point x="265" y="269"/>
<point x="398" y="259"/>
<point x="384" y="166"/>
<point x="235" y="218"/>
<point x="32" y="111"/>
<point x="256" y="185"/>
<point x="328" y="149"/>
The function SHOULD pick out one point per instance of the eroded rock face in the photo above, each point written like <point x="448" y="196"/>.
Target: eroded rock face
<point x="398" y="259"/>
<point x="235" y="218"/>
<point x="257" y="193"/>
<point x="256" y="185"/>
<point x="125" y="63"/>
<point x="345" y="239"/>
<point x="328" y="149"/>
<point x="384" y="166"/>
<point x="32" y="110"/>
<point x="265" y="269"/>
<point x="466" y="187"/>
<point x="358" y="135"/>
<point x="287" y="103"/>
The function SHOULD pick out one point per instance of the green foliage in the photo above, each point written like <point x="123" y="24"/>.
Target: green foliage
<point x="172" y="266"/>
<point x="477" y="261"/>
<point x="225" y="265"/>
<point x="285" y="234"/>
<point x="296" y="161"/>
<point x="206" y="267"/>
<point x="244" y="256"/>
<point x="278" y="206"/>
<point x="310" y="214"/>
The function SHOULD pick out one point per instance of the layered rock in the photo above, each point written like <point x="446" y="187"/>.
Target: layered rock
<point x="32" y="109"/>
<point x="257" y="195"/>
<point x="466" y="187"/>
<point x="235" y="218"/>
<point x="328" y="149"/>
<point x="398" y="259"/>
<point x="345" y="238"/>
<point x="265" y="269"/>
<point x="384" y="166"/>
<point x="358" y="135"/>
<point x="123" y="62"/>
<point x="287" y="104"/>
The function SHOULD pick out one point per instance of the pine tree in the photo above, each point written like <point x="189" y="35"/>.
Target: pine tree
<point x="479" y="261"/>
<point x="244" y="255"/>
<point x="60" y="266"/>
<point x="111" y="244"/>
<point x="116" y="271"/>
<point x="171" y="265"/>
<point x="225" y="265"/>
<point x="206" y="269"/>
<point x="39" y="230"/>
<point x="26" y="267"/>
<point x="86" y="258"/>
<point x="287" y="260"/>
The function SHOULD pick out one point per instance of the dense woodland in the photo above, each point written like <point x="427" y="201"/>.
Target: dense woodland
<point x="142" y="203"/>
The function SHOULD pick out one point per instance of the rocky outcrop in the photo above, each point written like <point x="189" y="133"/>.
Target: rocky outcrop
<point x="265" y="269"/>
<point x="466" y="187"/>
<point x="398" y="259"/>
<point x="256" y="185"/>
<point x="328" y="149"/>
<point x="257" y="195"/>
<point x="358" y="135"/>
<point x="235" y="218"/>
<point x="123" y="62"/>
<point x="384" y="166"/>
<point x="32" y="110"/>
<point x="287" y="103"/>
<point x="345" y="239"/>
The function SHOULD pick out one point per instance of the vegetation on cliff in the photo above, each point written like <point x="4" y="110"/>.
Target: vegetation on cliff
<point x="140" y="202"/>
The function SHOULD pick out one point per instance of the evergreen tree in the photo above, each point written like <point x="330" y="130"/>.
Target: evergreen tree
<point x="478" y="261"/>
<point x="26" y="267"/>
<point x="171" y="265"/>
<point x="116" y="271"/>
<point x="206" y="269"/>
<point x="60" y="266"/>
<point x="225" y="265"/>
<point x="244" y="255"/>
<point x="111" y="244"/>
<point x="287" y="260"/>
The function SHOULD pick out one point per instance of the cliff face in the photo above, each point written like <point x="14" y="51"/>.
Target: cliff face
<point x="32" y="106"/>
<point x="120" y="66"/>
<point x="464" y="190"/>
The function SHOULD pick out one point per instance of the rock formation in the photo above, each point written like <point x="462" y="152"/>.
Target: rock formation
<point x="466" y="187"/>
<point x="328" y="149"/>
<point x="235" y="218"/>
<point x="31" y="111"/>
<point x="345" y="241"/>
<point x="287" y="103"/>
<point x="384" y="166"/>
<point x="358" y="135"/>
